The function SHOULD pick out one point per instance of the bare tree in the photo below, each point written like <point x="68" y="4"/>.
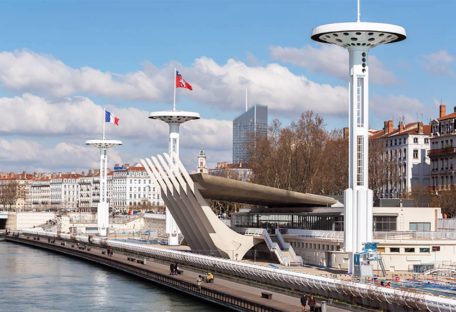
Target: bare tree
<point x="447" y="201"/>
<point x="422" y="196"/>
<point x="8" y="193"/>
<point x="303" y="157"/>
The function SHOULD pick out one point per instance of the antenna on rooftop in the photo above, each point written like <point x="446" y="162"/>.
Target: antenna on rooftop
<point x="246" y="100"/>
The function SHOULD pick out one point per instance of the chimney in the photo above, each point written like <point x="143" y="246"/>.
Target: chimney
<point x="388" y="126"/>
<point x="346" y="133"/>
<point x="442" y="110"/>
<point x="420" y="128"/>
<point x="401" y="126"/>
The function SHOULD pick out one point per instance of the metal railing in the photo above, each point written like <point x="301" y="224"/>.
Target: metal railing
<point x="355" y="293"/>
<point x="209" y="294"/>
<point x="282" y="243"/>
<point x="326" y="235"/>
<point x="362" y="294"/>
<point x="411" y="235"/>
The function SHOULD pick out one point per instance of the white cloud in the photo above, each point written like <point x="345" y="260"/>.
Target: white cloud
<point x="219" y="85"/>
<point x="439" y="63"/>
<point x="22" y="154"/>
<point x="25" y="71"/>
<point x="272" y="85"/>
<point x="398" y="106"/>
<point x="74" y="120"/>
<point x="331" y="60"/>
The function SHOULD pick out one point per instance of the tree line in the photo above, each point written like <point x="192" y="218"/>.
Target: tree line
<point x="306" y="157"/>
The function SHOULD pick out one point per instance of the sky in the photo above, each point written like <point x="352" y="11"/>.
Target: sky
<point x="62" y="62"/>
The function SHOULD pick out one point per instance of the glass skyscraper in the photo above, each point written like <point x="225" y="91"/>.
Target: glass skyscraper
<point x="248" y="127"/>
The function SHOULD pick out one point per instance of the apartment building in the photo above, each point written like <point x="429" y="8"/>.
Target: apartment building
<point x="405" y="154"/>
<point x="133" y="188"/>
<point x="443" y="150"/>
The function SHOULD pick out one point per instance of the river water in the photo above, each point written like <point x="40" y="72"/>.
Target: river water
<point x="32" y="279"/>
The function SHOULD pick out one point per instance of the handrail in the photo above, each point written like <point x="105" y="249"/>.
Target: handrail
<point x="326" y="286"/>
<point x="412" y="235"/>
<point x="282" y="243"/>
<point x="289" y="279"/>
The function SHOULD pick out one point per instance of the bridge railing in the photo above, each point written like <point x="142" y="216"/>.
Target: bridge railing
<point x="362" y="294"/>
<point x="329" y="287"/>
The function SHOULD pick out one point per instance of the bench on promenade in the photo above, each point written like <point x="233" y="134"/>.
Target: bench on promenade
<point x="266" y="295"/>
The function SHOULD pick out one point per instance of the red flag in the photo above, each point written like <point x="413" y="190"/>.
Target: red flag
<point x="181" y="83"/>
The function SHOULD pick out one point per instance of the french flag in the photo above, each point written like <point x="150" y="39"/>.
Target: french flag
<point x="111" y="118"/>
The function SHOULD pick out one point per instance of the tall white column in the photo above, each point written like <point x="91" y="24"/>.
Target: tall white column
<point x="103" y="206"/>
<point x="171" y="226"/>
<point x="358" y="197"/>
<point x="358" y="38"/>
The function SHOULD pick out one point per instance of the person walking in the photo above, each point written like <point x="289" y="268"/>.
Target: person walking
<point x="304" y="303"/>
<point x="312" y="303"/>
<point x="199" y="281"/>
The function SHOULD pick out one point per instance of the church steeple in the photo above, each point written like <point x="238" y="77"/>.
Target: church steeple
<point x="202" y="168"/>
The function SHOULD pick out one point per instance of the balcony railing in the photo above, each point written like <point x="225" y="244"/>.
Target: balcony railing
<point x="442" y="151"/>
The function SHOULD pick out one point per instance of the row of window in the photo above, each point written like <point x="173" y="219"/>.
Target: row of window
<point x="443" y="164"/>
<point x="325" y="247"/>
<point x="410" y="249"/>
<point x="400" y="141"/>
<point x="444" y="127"/>
<point x="443" y="143"/>
<point x="399" y="155"/>
<point x="444" y="182"/>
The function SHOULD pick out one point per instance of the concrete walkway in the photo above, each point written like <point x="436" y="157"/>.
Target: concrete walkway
<point x="278" y="301"/>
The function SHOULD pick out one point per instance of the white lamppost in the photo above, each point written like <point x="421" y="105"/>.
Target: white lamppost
<point x="358" y="37"/>
<point x="174" y="119"/>
<point x="103" y="205"/>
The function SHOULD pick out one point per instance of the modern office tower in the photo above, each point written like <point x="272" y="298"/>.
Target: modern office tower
<point x="247" y="128"/>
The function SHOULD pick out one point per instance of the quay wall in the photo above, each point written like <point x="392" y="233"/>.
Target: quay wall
<point x="25" y="220"/>
<point x="136" y="267"/>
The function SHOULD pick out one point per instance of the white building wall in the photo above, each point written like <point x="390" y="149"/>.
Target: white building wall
<point x="408" y="215"/>
<point x="417" y="170"/>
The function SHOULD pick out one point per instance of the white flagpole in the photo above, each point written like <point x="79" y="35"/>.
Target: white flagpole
<point x="174" y="83"/>
<point x="104" y="122"/>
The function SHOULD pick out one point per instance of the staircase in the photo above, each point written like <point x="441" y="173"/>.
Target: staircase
<point x="382" y="265"/>
<point x="288" y="250"/>
<point x="282" y="250"/>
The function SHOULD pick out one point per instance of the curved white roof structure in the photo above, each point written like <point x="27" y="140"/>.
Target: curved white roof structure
<point x="360" y="34"/>
<point x="174" y="116"/>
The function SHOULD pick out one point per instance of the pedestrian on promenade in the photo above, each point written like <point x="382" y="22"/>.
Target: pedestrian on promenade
<point x="304" y="306"/>
<point x="171" y="269"/>
<point x="312" y="303"/>
<point x="209" y="277"/>
<point x="199" y="281"/>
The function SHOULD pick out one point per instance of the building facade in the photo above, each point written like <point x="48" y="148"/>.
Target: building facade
<point x="443" y="150"/>
<point x="132" y="188"/>
<point x="405" y="157"/>
<point x="38" y="194"/>
<point x="247" y="128"/>
<point x="235" y="171"/>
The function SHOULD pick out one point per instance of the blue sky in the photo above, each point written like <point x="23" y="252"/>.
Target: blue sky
<point x="62" y="61"/>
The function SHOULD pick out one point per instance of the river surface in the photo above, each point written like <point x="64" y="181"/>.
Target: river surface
<point x="32" y="279"/>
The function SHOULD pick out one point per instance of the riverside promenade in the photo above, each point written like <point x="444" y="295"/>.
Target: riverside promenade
<point x="228" y="293"/>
